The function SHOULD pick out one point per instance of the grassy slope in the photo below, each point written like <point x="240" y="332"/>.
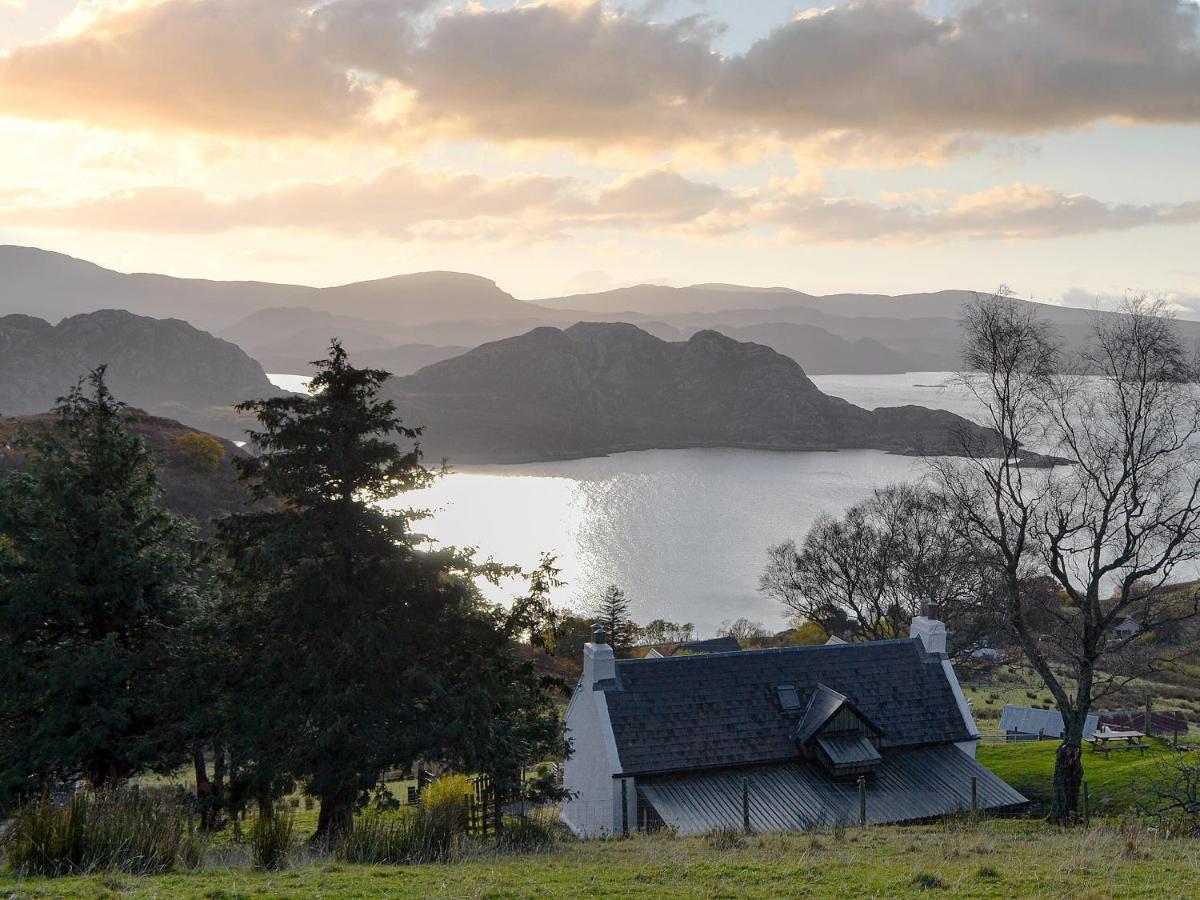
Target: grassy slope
<point x="1116" y="782"/>
<point x="995" y="859"/>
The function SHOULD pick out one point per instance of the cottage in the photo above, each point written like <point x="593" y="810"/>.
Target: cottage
<point x="1126" y="629"/>
<point x="1030" y="723"/>
<point x="783" y="737"/>
<point x="727" y="643"/>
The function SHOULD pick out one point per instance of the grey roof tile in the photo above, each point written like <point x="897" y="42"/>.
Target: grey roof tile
<point x="722" y="709"/>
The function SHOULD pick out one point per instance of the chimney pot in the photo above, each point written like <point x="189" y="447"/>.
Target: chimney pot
<point x="599" y="663"/>
<point x="931" y="631"/>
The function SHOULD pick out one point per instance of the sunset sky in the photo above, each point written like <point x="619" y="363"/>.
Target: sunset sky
<point x="569" y="145"/>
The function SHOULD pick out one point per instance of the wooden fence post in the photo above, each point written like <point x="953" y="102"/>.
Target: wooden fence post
<point x="746" y="805"/>
<point x="1087" y="807"/>
<point x="625" y="807"/>
<point x="862" y="801"/>
<point x="499" y="816"/>
<point x="974" y="795"/>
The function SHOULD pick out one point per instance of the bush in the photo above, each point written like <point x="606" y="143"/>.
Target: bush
<point x="127" y="831"/>
<point x="536" y="831"/>
<point x="448" y="792"/>
<point x="726" y="838"/>
<point x="200" y="451"/>
<point x="424" y="834"/>
<point x="272" y="841"/>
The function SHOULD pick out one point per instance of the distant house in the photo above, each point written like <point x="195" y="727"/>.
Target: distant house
<point x="1028" y="721"/>
<point x="1126" y="629"/>
<point x="1163" y="723"/>
<point x="724" y="644"/>
<point x="684" y="741"/>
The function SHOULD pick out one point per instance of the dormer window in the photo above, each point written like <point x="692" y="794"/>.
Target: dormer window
<point x="834" y="734"/>
<point x="788" y="698"/>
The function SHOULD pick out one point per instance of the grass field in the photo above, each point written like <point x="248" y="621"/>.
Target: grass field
<point x="963" y="859"/>
<point x="1116" y="783"/>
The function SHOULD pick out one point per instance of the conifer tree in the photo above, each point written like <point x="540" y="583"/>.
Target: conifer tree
<point x="95" y="583"/>
<point x="612" y="611"/>
<point x="362" y="649"/>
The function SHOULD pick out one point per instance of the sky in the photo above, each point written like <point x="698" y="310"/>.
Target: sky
<point x="560" y="146"/>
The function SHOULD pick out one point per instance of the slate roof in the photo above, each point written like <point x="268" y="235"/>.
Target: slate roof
<point x="908" y="786"/>
<point x="695" y="712"/>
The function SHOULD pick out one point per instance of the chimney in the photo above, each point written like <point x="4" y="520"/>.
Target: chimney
<point x="931" y="631"/>
<point x="598" y="660"/>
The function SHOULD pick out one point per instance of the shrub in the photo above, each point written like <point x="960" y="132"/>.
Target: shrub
<point x="1031" y="695"/>
<point x="448" y="792"/>
<point x="726" y="838"/>
<point x="126" y="831"/>
<point x="272" y="841"/>
<point x="200" y="451"/>
<point x="418" y="836"/>
<point x="927" y="881"/>
<point x="527" y="834"/>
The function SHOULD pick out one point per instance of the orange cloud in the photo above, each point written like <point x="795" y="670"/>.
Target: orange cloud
<point x="862" y="82"/>
<point x="406" y="204"/>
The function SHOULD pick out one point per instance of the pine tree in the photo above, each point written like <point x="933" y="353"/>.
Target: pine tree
<point x="612" y="611"/>
<point x="360" y="649"/>
<point x="95" y="582"/>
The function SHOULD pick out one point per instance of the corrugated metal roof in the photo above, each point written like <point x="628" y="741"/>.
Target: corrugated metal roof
<point x="1047" y="722"/>
<point x="849" y="749"/>
<point x="908" y="786"/>
<point x="722" y="709"/>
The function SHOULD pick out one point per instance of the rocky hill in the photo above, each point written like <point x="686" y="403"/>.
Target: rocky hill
<point x="164" y="366"/>
<point x="594" y="389"/>
<point x="202" y="490"/>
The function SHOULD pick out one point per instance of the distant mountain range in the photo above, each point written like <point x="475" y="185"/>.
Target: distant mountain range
<point x="410" y="320"/>
<point x="164" y="366"/>
<point x="594" y="389"/>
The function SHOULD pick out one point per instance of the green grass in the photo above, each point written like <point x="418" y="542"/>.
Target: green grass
<point x="997" y="859"/>
<point x="1116" y="782"/>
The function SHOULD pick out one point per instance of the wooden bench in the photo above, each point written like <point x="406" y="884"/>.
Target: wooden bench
<point x="1106" y="740"/>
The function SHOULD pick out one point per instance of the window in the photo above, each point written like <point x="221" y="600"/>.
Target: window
<point x="788" y="698"/>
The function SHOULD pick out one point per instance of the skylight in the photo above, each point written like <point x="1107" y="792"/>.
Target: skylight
<point x="788" y="698"/>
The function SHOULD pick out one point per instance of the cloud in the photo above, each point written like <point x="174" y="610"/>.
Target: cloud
<point x="1012" y="212"/>
<point x="864" y="80"/>
<point x="405" y="204"/>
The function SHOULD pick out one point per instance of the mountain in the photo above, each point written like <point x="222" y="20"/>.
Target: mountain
<point x="288" y="339"/>
<point x="53" y="285"/>
<point x="659" y="301"/>
<point x="164" y="366"/>
<point x="599" y="388"/>
<point x="197" y="492"/>
<point x="822" y="352"/>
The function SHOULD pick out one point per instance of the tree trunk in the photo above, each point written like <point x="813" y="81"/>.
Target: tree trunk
<point x="266" y="803"/>
<point x="336" y="818"/>
<point x="1068" y="776"/>
<point x="206" y="802"/>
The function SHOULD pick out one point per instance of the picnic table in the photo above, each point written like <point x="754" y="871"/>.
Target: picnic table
<point x="1108" y="739"/>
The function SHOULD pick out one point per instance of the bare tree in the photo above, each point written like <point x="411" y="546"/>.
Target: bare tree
<point x="745" y="630"/>
<point x="1110" y="525"/>
<point x="870" y="571"/>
